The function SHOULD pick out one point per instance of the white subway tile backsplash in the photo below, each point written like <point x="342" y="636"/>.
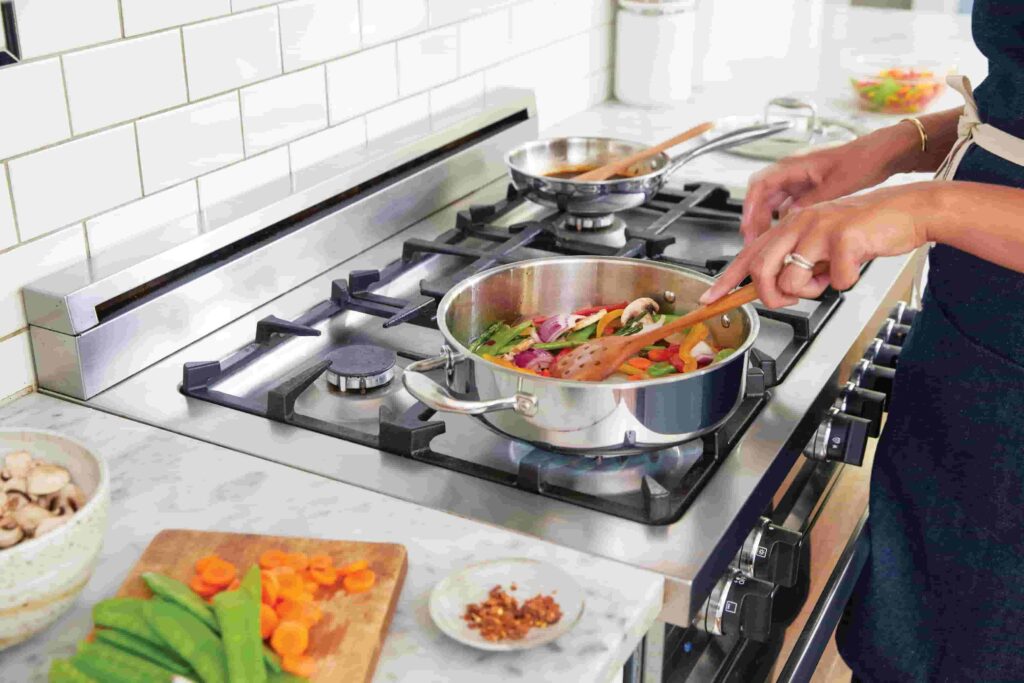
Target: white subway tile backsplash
<point x="231" y="52"/>
<point x="540" y="22"/>
<point x="187" y="142"/>
<point x="484" y="41"/>
<point x="177" y="208"/>
<point x="8" y="234"/>
<point x="405" y="118"/>
<point x="313" y="31"/>
<point x="280" y="110"/>
<point x="427" y="59"/>
<point x="322" y="155"/>
<point x="39" y="115"/>
<point x="386" y="20"/>
<point x="64" y="184"/>
<point x="449" y="11"/>
<point x="467" y="92"/>
<point x="143" y="16"/>
<point x="29" y="262"/>
<point x="124" y="80"/>
<point x="245" y="187"/>
<point x="48" y="26"/>
<point x="243" y="5"/>
<point x="364" y="81"/>
<point x="16" y="361"/>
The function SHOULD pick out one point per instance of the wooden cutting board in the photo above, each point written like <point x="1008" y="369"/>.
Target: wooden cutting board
<point x="347" y="641"/>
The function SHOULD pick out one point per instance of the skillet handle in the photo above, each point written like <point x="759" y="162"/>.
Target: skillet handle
<point x="433" y="395"/>
<point x="731" y="139"/>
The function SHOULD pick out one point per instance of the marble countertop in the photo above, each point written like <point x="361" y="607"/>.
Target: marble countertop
<point x="164" y="480"/>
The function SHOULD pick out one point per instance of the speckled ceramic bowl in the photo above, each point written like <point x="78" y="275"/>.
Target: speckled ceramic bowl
<point x="41" y="577"/>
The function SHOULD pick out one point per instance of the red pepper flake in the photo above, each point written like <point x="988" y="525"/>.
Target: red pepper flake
<point x="501" y="617"/>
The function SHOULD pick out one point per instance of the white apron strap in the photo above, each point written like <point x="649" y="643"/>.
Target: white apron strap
<point x="970" y="130"/>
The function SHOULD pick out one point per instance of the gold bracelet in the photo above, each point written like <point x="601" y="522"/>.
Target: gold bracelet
<point x="920" y="130"/>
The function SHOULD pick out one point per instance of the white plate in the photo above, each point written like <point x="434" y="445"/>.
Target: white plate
<point x="450" y="597"/>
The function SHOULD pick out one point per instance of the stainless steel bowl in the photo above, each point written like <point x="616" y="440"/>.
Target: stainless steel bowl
<point x="530" y="164"/>
<point x="588" y="418"/>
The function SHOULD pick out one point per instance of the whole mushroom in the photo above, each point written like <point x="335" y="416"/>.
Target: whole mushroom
<point x="638" y="309"/>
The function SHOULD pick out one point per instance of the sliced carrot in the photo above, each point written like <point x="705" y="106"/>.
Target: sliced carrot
<point x="321" y="562"/>
<point x="641" y="363"/>
<point x="202" y="588"/>
<point x="360" y="581"/>
<point x="290" y="638"/>
<point x="327" y="576"/>
<point x="268" y="621"/>
<point x="297" y="561"/>
<point x="311" y="586"/>
<point x="273" y="558"/>
<point x="284" y="571"/>
<point x="303" y="612"/>
<point x="289" y="580"/>
<point x="354" y="567"/>
<point x="204" y="561"/>
<point x="635" y="378"/>
<point x="271" y="588"/>
<point x="219" y="573"/>
<point x="300" y="665"/>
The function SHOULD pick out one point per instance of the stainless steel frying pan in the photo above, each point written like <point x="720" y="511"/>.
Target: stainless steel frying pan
<point x="531" y="165"/>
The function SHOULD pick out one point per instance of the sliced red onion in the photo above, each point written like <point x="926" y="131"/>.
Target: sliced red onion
<point x="702" y="348"/>
<point x="704" y="361"/>
<point x="555" y="326"/>
<point x="534" y="359"/>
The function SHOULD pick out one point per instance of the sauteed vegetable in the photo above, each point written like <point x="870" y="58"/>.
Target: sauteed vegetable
<point x="531" y="345"/>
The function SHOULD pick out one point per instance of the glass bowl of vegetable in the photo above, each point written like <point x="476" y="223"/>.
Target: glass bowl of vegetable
<point x="890" y="85"/>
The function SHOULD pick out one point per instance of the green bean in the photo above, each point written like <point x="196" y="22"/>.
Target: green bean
<point x="482" y="339"/>
<point x="110" y="665"/>
<point x="271" y="659"/>
<point x="177" y="592"/>
<point x="238" y="613"/>
<point x="284" y="677"/>
<point x="557" y="345"/>
<point x="63" y="671"/>
<point x="583" y="334"/>
<point x="142" y="648"/>
<point x="190" y="638"/>
<point x="660" y="369"/>
<point x="631" y="328"/>
<point x="126" y="614"/>
<point x="723" y="354"/>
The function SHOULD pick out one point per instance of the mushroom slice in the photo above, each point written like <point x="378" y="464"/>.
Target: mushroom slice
<point x="70" y="499"/>
<point x="18" y="463"/>
<point x="30" y="516"/>
<point x="15" y="500"/>
<point x="19" y="484"/>
<point x="46" y="479"/>
<point x="49" y="524"/>
<point x="638" y="309"/>
<point x="10" y="532"/>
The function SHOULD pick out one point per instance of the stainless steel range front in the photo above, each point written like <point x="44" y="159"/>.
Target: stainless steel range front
<point x="284" y="333"/>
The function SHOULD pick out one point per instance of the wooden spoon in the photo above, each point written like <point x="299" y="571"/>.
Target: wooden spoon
<point x="600" y="358"/>
<point x="621" y="165"/>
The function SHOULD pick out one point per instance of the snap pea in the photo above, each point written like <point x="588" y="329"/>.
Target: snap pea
<point x="110" y="665"/>
<point x="238" y="613"/>
<point x="137" y="646"/>
<point x="660" y="369"/>
<point x="723" y="354"/>
<point x="631" y="328"/>
<point x="63" y="671"/>
<point x="482" y="339"/>
<point x="502" y="336"/>
<point x="177" y="592"/>
<point x="284" y="677"/>
<point x="272" y="661"/>
<point x="582" y="335"/>
<point x="126" y="614"/>
<point x="190" y="638"/>
<point x="557" y="345"/>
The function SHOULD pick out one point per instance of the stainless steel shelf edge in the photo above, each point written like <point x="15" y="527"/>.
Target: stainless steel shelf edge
<point x="66" y="301"/>
<point x="83" y="364"/>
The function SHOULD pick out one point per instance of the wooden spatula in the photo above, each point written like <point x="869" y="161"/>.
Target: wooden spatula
<point x="622" y="165"/>
<point x="600" y="358"/>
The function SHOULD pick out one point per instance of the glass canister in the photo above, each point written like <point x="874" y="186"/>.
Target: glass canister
<point x="654" y="51"/>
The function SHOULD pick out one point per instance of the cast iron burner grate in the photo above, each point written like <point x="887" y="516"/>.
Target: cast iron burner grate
<point x="480" y="244"/>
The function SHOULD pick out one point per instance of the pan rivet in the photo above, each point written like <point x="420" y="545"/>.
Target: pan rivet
<point x="725" y="320"/>
<point x="669" y="297"/>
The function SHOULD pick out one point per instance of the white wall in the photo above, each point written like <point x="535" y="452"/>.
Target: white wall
<point x="128" y="114"/>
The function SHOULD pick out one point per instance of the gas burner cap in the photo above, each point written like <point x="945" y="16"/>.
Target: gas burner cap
<point x="360" y="367"/>
<point x="589" y="222"/>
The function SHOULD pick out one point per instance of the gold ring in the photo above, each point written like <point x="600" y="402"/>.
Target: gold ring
<point x="796" y="259"/>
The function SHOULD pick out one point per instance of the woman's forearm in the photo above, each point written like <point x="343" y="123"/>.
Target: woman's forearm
<point x="980" y="219"/>
<point x="941" y="129"/>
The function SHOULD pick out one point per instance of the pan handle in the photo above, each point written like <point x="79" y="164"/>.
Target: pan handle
<point x="731" y="139"/>
<point x="433" y="395"/>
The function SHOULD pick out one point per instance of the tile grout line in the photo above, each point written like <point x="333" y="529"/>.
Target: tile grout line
<point x="14" y="211"/>
<point x="120" y="16"/>
<point x="138" y="158"/>
<point x="241" y="125"/>
<point x="184" y="66"/>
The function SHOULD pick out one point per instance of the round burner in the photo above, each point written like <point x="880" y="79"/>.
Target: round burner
<point x="360" y="367"/>
<point x="590" y="222"/>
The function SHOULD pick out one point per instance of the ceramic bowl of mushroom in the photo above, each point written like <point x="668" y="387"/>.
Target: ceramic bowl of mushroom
<point x="52" y="520"/>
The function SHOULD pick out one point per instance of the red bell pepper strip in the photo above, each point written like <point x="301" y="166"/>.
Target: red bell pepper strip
<point x="591" y="310"/>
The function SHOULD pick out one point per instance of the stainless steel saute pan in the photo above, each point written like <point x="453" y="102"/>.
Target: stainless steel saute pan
<point x="588" y="418"/>
<point x="542" y="170"/>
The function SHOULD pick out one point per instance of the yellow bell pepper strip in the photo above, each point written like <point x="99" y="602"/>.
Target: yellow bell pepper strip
<point x="633" y="378"/>
<point x="639" y="362"/>
<point x="696" y="335"/>
<point x="603" y="323"/>
<point x="628" y="369"/>
<point x="507" y="364"/>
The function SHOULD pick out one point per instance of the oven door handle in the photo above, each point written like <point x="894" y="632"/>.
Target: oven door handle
<point x="825" y="617"/>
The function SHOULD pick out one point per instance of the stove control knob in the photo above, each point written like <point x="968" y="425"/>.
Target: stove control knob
<point x="880" y="353"/>
<point x="904" y="314"/>
<point x="865" y="403"/>
<point x="739" y="605"/>
<point x="771" y="553"/>
<point x="840" y="437"/>
<point x="874" y="377"/>
<point x="893" y="332"/>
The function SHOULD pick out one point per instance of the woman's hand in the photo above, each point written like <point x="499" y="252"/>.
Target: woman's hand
<point x="845" y="233"/>
<point x="801" y="181"/>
